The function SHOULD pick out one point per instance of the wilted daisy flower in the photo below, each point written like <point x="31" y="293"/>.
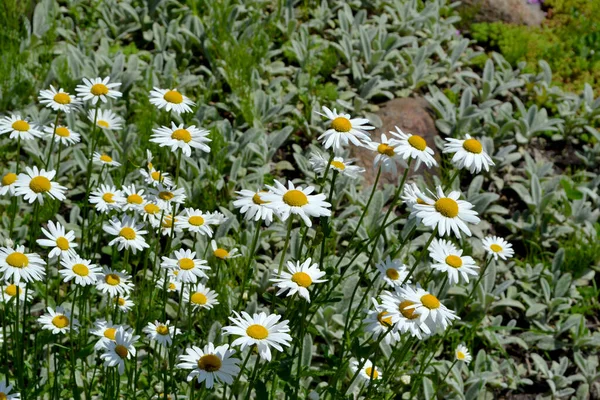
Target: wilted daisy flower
<point x="161" y="333"/>
<point x="253" y="206"/>
<point x="299" y="278"/>
<point x="261" y="330"/>
<point x="5" y="390"/>
<point x="449" y="259"/>
<point x="19" y="128"/>
<point x="107" y="198"/>
<point x="393" y="272"/>
<point x="7" y="183"/>
<point x="21" y="266"/>
<point x="411" y="146"/>
<point x="222" y="253"/>
<point x="119" y="350"/>
<point x="62" y="135"/>
<point x="58" y="321"/>
<point x="386" y="157"/>
<point x="106" y="331"/>
<point x="210" y="364"/>
<point x="367" y="372"/>
<point x="170" y="99"/>
<point x="83" y="271"/>
<point x="114" y="283"/>
<point x="189" y="268"/>
<point x="155" y="177"/>
<point x="166" y="196"/>
<point x="178" y="137"/>
<point x="343" y="167"/>
<point x="134" y="198"/>
<point x="412" y="195"/>
<point x="8" y="292"/>
<point x="379" y="322"/>
<point x="463" y="354"/>
<point x="344" y="129"/>
<point x="98" y="89"/>
<point x="106" y="119"/>
<point x="217" y="217"/>
<point x="295" y="200"/>
<point x="124" y="303"/>
<point x="170" y="224"/>
<point x="105" y="159"/>
<point x="431" y="311"/>
<point x="35" y="182"/>
<point x="61" y="241"/>
<point x="129" y="235"/>
<point x="404" y="317"/>
<point x="200" y="296"/>
<point x="446" y="213"/>
<point x="196" y="221"/>
<point x="468" y="154"/>
<point x="498" y="247"/>
<point x="58" y="100"/>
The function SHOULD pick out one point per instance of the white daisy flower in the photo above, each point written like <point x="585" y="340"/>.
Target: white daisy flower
<point x="106" y="119"/>
<point x="107" y="198"/>
<point x="83" y="271"/>
<point x="178" y="137"/>
<point x="412" y="195"/>
<point x="58" y="100"/>
<point x="261" y="330"/>
<point x="8" y="292"/>
<point x="161" y="333"/>
<point x="387" y="157"/>
<point x="35" y="182"/>
<point x="253" y="206"/>
<point x="173" y="285"/>
<point x="412" y="146"/>
<point x="104" y="159"/>
<point x="447" y="214"/>
<point x="393" y="272"/>
<point x="129" y="235"/>
<point x="19" y="266"/>
<point x="222" y="253"/>
<point x="155" y="177"/>
<point x="196" y="221"/>
<point x="152" y="213"/>
<point x="125" y="304"/>
<point x="167" y="196"/>
<point x="19" y="128"/>
<point x="404" y="318"/>
<point x="498" y="247"/>
<point x="114" y="283"/>
<point x="62" y="135"/>
<point x="7" y="184"/>
<point x="189" y="268"/>
<point x="170" y="99"/>
<point x="200" y="296"/>
<point x="98" y="89"/>
<point x="62" y="242"/>
<point x="462" y="354"/>
<point x="431" y="311"/>
<point x="106" y="332"/>
<point x="344" y="129"/>
<point x="166" y="227"/>
<point x="295" y="200"/>
<point x="5" y="391"/>
<point x="134" y="198"/>
<point x="58" y="321"/>
<point x="217" y="217"/>
<point x="343" y="167"/>
<point x="210" y="364"/>
<point x="119" y="350"/>
<point x="368" y="372"/>
<point x="449" y="259"/>
<point x="299" y="278"/>
<point x="379" y="322"/>
<point x="468" y="154"/>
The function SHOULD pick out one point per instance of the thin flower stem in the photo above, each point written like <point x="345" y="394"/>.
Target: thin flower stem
<point x="249" y="263"/>
<point x="325" y="221"/>
<point x="285" y="245"/>
<point x="93" y="144"/>
<point x="237" y="378"/>
<point x="444" y="378"/>
<point x="253" y="378"/>
<point x="47" y="162"/>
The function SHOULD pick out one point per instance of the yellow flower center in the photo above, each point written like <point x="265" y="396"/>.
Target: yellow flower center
<point x="102" y="123"/>
<point x="447" y="207"/>
<point x="257" y="200"/>
<point x="81" y="270"/>
<point x="460" y="355"/>
<point x="108" y="197"/>
<point x="20" y="125"/>
<point x="156" y="175"/>
<point x="407" y="313"/>
<point x="186" y="263"/>
<point x="99" y="89"/>
<point x="209" y="363"/>
<point x="62" y="98"/>
<point x="121" y="301"/>
<point x="302" y="279"/>
<point x="112" y="279"/>
<point x="199" y="298"/>
<point x="454" y="261"/>
<point x="182" y="134"/>
<point x="496" y="248"/>
<point x="196" y="220"/>
<point x="417" y="142"/>
<point x="109" y="333"/>
<point x="17" y="260"/>
<point x="419" y="201"/>
<point x="338" y="164"/>
<point x="258" y="332"/>
<point x="3" y="396"/>
<point x="162" y="330"/>
<point x="371" y="372"/>
<point x="221" y="253"/>
<point x="62" y="243"/>
<point x="168" y="221"/>
<point x="295" y="198"/>
<point x="151" y="208"/>
<point x="392" y="273"/>
<point x="173" y="96"/>
<point x="172" y="286"/>
<point x="11" y="290"/>
<point x="386" y="149"/>
<point x="63" y="131"/>
<point x="60" y="321"/>
<point x="121" y="350"/>
<point x="383" y="320"/>
<point x="472" y="146"/>
<point x="430" y="301"/>
<point x="135" y="199"/>
<point x="40" y="184"/>
<point x="128" y="233"/>
<point x="341" y="124"/>
<point x="9" y="179"/>
<point x="106" y="158"/>
<point x="166" y="195"/>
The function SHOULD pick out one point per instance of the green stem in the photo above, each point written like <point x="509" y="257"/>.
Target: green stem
<point x="249" y="263"/>
<point x="47" y="163"/>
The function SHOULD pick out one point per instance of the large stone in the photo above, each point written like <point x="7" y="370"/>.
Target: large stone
<point x="519" y="12"/>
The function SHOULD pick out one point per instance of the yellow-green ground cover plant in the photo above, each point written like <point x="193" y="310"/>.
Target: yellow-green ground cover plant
<point x="182" y="217"/>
